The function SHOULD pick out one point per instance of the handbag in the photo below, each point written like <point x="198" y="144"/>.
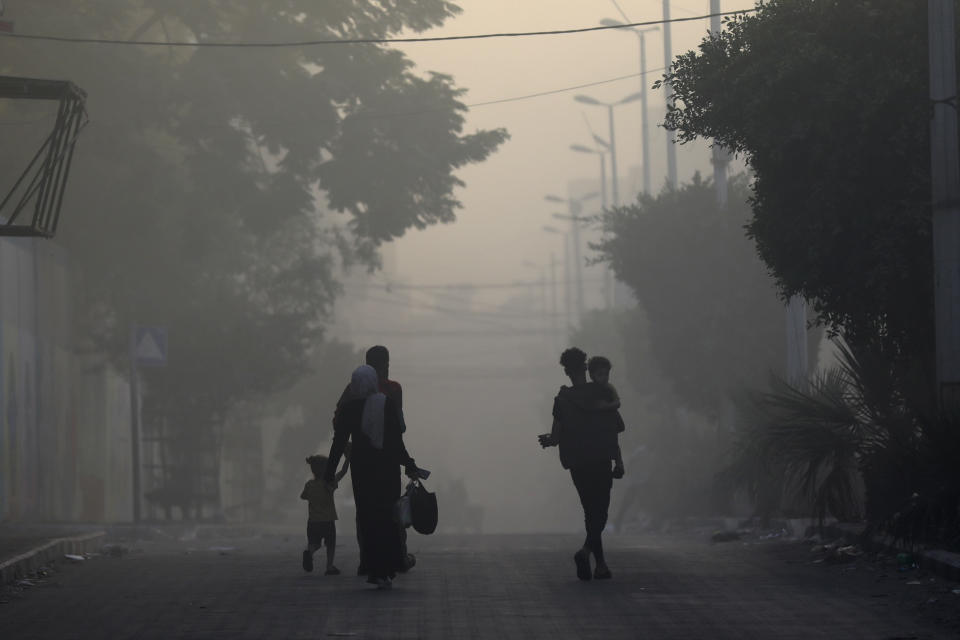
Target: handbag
<point x="423" y="508"/>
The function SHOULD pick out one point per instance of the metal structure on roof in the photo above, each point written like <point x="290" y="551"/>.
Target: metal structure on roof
<point x="32" y="206"/>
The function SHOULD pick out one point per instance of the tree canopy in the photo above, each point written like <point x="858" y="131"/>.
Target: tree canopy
<point x="828" y="103"/>
<point x="216" y="190"/>
<point x="715" y="324"/>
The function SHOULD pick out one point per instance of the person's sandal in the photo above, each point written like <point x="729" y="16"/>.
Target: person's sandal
<point x="331" y="571"/>
<point x="582" y="558"/>
<point x="602" y="573"/>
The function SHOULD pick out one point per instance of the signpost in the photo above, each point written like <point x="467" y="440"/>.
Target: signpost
<point x="148" y="348"/>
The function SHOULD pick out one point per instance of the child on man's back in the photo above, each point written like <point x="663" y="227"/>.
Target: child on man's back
<point x="321" y="521"/>
<point x="608" y="399"/>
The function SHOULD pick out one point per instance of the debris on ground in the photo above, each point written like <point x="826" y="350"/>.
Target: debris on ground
<point x="73" y="558"/>
<point x="114" y="550"/>
<point x="725" y="536"/>
<point x="224" y="551"/>
<point x="836" y="552"/>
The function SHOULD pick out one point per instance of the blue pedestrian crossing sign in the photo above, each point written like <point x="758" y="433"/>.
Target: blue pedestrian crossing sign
<point x="150" y="346"/>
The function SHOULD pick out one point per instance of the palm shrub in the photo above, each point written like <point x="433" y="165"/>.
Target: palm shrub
<point x="859" y="440"/>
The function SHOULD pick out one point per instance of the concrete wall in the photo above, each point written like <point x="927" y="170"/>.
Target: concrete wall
<point x="64" y="426"/>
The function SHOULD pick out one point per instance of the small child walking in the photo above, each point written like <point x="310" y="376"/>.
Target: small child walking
<point x="321" y="521"/>
<point x="599" y="370"/>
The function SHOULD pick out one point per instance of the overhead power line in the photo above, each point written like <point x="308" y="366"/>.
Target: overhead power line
<point x="479" y="285"/>
<point x="563" y="90"/>
<point x="474" y="315"/>
<point x="310" y="43"/>
<point x="373" y="115"/>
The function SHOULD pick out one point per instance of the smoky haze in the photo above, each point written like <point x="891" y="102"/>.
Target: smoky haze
<point x="479" y="376"/>
<point x="475" y="312"/>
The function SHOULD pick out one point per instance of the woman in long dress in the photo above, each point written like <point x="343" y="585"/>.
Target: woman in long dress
<point x="371" y="422"/>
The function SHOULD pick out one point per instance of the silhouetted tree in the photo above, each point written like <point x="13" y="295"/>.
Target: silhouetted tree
<point x="828" y="102"/>
<point x="714" y="321"/>
<point x="216" y="190"/>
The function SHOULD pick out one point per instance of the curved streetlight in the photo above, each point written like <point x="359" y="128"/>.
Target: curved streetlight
<point x="601" y="151"/>
<point x="644" y="125"/>
<point x="585" y="99"/>
<point x="574" y="206"/>
<point x="602" y="154"/>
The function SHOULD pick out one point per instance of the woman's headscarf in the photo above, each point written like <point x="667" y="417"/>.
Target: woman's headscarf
<point x="364" y="384"/>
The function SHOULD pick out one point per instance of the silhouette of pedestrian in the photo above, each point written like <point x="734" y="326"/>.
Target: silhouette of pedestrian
<point x="370" y="421"/>
<point x="585" y="429"/>
<point x="378" y="357"/>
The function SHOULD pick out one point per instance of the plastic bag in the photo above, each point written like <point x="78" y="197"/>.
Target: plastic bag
<point x="423" y="507"/>
<point x="402" y="512"/>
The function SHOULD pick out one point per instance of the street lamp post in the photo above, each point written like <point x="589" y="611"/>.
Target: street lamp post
<point x="644" y="115"/>
<point x="575" y="207"/>
<point x="614" y="179"/>
<point x="614" y="182"/>
<point x="608" y="280"/>
<point x="566" y="269"/>
<point x="603" y="168"/>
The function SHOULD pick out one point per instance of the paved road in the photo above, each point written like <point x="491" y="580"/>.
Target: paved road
<point x="472" y="587"/>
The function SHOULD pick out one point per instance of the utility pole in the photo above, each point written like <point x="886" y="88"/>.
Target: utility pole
<point x="720" y="156"/>
<point x="945" y="178"/>
<point x="644" y="115"/>
<point x="567" y="277"/>
<point x="567" y="311"/>
<point x="667" y="62"/>
<point x="797" y="361"/>
<point x="615" y="189"/>
<point x="553" y="299"/>
<point x="135" y="426"/>
<point x="575" y="209"/>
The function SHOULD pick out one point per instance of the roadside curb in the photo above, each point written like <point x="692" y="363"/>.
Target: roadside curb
<point x="28" y="562"/>
<point x="944" y="564"/>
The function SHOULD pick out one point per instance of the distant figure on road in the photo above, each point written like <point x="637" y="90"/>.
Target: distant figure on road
<point x="586" y="429"/>
<point x="378" y="357"/>
<point x="322" y="512"/>
<point x="370" y="420"/>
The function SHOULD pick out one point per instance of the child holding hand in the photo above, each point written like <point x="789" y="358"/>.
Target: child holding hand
<point x="321" y="521"/>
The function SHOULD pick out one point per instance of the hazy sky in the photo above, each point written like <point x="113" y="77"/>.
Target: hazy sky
<point x="500" y="225"/>
<point x="479" y="377"/>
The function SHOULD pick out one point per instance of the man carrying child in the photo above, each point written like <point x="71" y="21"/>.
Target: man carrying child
<point x="586" y="423"/>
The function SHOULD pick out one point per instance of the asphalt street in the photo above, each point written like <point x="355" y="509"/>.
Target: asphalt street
<point x="507" y="586"/>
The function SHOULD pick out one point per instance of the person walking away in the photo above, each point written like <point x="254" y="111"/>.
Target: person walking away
<point x="371" y="422"/>
<point x="587" y="439"/>
<point x="378" y="357"/>
<point x="322" y="512"/>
